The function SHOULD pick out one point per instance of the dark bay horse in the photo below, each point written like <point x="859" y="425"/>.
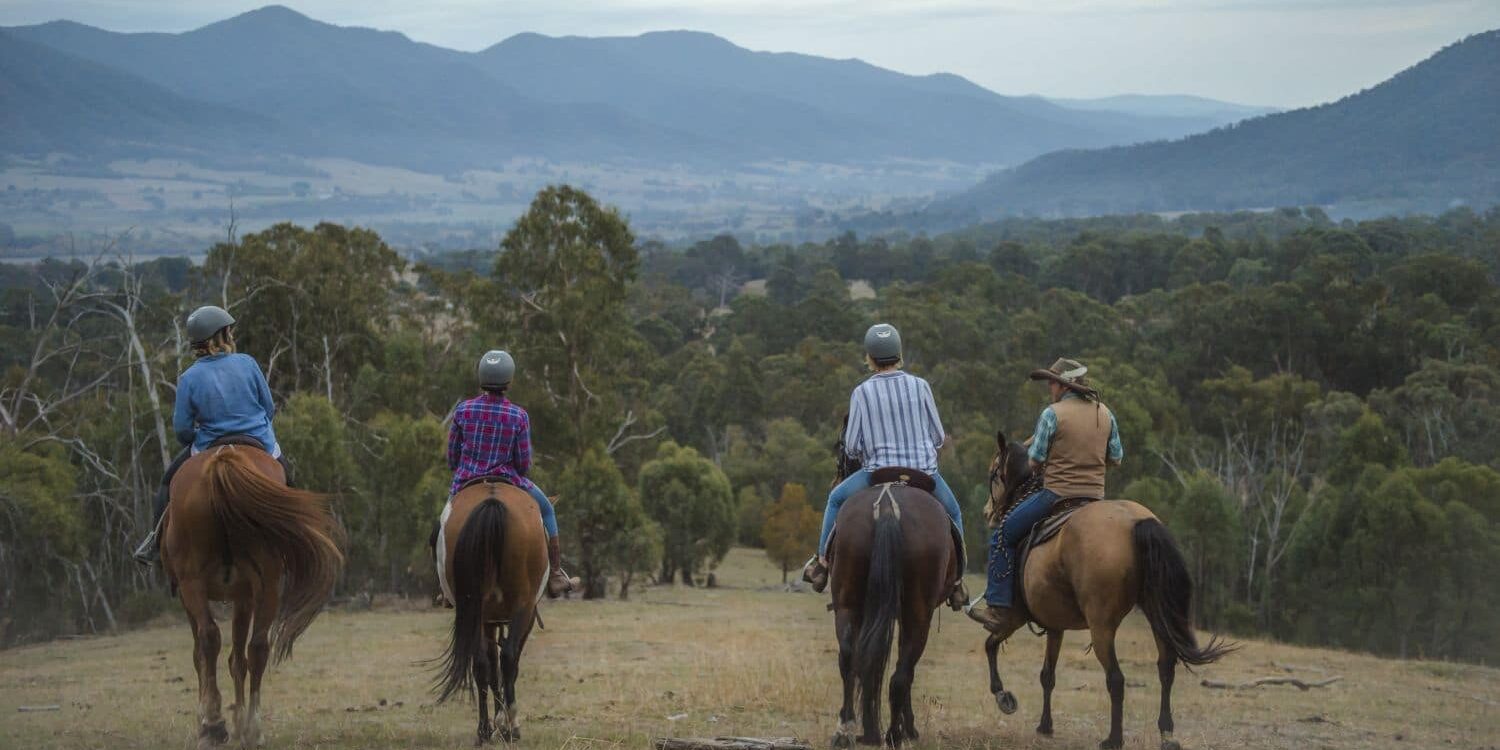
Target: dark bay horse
<point x="1111" y="556"/>
<point x="892" y="561"/>
<point x="492" y="562"/>
<point x="235" y="532"/>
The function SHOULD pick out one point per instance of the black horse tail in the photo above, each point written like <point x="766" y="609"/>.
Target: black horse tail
<point x="1167" y="596"/>
<point x="476" y="565"/>
<point x="883" y="584"/>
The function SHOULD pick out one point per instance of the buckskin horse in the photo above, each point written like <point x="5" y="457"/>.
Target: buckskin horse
<point x="235" y="532"/>
<point x="492" y="563"/>
<point x="892" y="560"/>
<point x="1108" y="557"/>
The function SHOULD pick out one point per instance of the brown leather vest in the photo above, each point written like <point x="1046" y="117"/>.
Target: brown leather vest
<point x="1076" y="455"/>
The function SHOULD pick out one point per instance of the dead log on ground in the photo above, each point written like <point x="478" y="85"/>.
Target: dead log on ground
<point x="730" y="743"/>
<point x="1293" y="681"/>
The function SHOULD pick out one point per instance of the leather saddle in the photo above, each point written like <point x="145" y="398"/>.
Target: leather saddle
<point x="245" y="440"/>
<point x="1043" y="532"/>
<point x="486" y="479"/>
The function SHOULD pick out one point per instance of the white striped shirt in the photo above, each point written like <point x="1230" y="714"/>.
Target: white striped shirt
<point x="894" y="422"/>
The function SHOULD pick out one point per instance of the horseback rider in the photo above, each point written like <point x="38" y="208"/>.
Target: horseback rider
<point x="893" y="421"/>
<point x="223" y="393"/>
<point x="1076" y="439"/>
<point x="491" y="437"/>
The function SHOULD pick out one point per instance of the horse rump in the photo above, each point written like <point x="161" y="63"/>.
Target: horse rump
<point x="476" y="566"/>
<point x="1166" y="596"/>
<point x="260" y="516"/>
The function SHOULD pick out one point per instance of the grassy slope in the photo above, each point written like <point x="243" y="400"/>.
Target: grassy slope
<point x="745" y="659"/>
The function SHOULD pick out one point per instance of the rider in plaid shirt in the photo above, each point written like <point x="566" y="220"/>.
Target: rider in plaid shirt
<point x="491" y="437"/>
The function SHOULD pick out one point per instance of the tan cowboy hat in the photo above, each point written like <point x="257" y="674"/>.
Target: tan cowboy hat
<point x="1068" y="373"/>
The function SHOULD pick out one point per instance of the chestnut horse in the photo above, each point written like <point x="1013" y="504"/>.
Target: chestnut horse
<point x="892" y="560"/>
<point x="235" y="532"/>
<point x="1111" y="556"/>
<point x="492" y="562"/>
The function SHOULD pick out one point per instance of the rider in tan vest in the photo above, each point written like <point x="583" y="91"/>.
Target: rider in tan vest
<point x="1076" y="438"/>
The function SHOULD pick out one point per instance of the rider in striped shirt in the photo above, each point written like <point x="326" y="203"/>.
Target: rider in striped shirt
<point x="893" y="421"/>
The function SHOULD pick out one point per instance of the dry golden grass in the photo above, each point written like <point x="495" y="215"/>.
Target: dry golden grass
<point x="745" y="659"/>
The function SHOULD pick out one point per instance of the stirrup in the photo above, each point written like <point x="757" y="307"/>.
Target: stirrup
<point x="572" y="584"/>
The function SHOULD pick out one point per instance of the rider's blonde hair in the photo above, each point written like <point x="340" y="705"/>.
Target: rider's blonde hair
<point x="877" y="367"/>
<point x="219" y="343"/>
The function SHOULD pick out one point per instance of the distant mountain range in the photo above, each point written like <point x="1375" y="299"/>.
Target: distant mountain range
<point x="273" y="82"/>
<point x="1427" y="139"/>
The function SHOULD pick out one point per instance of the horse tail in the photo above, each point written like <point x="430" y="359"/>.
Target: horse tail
<point x="476" y="567"/>
<point x="1166" y="596"/>
<point x="296" y="526"/>
<point x="882" y="606"/>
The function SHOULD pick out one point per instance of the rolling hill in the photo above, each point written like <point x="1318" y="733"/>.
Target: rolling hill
<point x="1425" y="139"/>
<point x="669" y="97"/>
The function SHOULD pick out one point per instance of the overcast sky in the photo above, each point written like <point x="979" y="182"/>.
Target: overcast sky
<point x="1277" y="52"/>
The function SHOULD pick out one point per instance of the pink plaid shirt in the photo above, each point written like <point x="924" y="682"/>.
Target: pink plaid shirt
<point x="490" y="436"/>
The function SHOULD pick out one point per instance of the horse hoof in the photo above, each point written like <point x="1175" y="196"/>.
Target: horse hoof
<point x="1044" y="730"/>
<point x="212" y="735"/>
<point x="1171" y="745"/>
<point x="842" y="742"/>
<point x="510" y="735"/>
<point x="1006" y="700"/>
<point x="1111" y="744"/>
<point x="869" y="739"/>
<point x="893" y="738"/>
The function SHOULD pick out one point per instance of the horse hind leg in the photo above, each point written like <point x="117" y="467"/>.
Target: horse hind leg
<point x="1114" y="679"/>
<point x="1166" y="670"/>
<point x="238" y="665"/>
<point x="1048" y="678"/>
<point x="913" y="643"/>
<point x="206" y="644"/>
<point x="846" y="626"/>
<point x="258" y="653"/>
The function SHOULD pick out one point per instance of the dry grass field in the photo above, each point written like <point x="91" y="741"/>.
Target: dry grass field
<point x="744" y="659"/>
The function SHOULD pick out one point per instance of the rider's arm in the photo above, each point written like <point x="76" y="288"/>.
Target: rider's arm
<point x="522" y="463"/>
<point x="934" y="423"/>
<point x="182" y="411"/>
<point x="854" y="433"/>
<point x="1116" y="452"/>
<point x="455" y="442"/>
<point x="262" y="389"/>
<point x="1041" y="438"/>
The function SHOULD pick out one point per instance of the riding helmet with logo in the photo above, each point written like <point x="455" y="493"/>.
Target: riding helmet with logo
<point x="496" y="368"/>
<point x="206" y="321"/>
<point x="883" y="343"/>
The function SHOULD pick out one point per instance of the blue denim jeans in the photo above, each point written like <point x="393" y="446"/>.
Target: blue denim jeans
<point x="860" y="480"/>
<point x="549" y="516"/>
<point x="1003" y="541"/>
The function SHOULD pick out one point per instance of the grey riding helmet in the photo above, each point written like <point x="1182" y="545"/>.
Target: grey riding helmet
<point x="206" y="321"/>
<point x="496" y="368"/>
<point x="883" y="342"/>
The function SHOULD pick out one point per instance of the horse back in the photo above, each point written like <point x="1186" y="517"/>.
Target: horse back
<point x="192" y="542"/>
<point x="523" y="556"/>
<point x="926" y="541"/>
<point x="1088" y="571"/>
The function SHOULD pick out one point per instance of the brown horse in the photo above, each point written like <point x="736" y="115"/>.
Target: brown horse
<point x="892" y="559"/>
<point x="492" y="562"/>
<point x="1111" y="556"/>
<point x="235" y="532"/>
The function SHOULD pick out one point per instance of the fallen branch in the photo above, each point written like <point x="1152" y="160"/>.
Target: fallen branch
<point x="32" y="709"/>
<point x="1293" y="681"/>
<point x="730" y="743"/>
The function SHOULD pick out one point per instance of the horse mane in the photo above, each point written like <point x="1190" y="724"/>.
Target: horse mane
<point x="1018" y="474"/>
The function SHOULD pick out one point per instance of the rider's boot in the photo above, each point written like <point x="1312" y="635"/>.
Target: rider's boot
<point x="996" y="619"/>
<point x="149" y="553"/>
<point x="558" y="583"/>
<point x="816" y="574"/>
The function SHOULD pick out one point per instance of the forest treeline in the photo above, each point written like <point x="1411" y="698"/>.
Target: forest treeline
<point x="1313" y="407"/>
